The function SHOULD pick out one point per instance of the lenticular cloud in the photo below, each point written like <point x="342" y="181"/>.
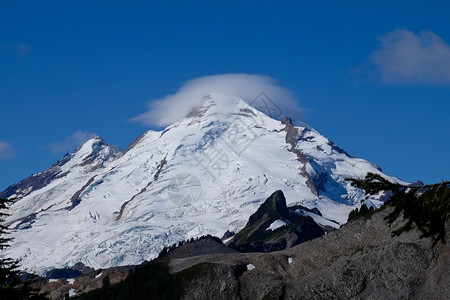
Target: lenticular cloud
<point x="171" y="108"/>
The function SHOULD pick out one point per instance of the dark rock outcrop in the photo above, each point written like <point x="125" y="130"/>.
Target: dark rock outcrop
<point x="75" y="271"/>
<point x="36" y="181"/>
<point x="101" y="151"/>
<point x="63" y="273"/>
<point x="228" y="234"/>
<point x="257" y="236"/>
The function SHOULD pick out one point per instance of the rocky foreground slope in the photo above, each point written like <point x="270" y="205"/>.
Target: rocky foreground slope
<point x="359" y="261"/>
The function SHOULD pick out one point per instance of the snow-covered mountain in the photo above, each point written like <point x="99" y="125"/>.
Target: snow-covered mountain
<point x="204" y="174"/>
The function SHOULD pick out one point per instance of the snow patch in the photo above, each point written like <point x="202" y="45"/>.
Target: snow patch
<point x="276" y="224"/>
<point x="72" y="293"/>
<point x="318" y="219"/>
<point x="225" y="241"/>
<point x="250" y="267"/>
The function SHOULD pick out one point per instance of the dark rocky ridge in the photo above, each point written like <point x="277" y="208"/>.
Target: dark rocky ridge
<point x="75" y="199"/>
<point x="42" y="179"/>
<point x="155" y="177"/>
<point x="75" y="271"/>
<point x="319" y="181"/>
<point x="255" y="236"/>
<point x="36" y="181"/>
<point x="292" y="136"/>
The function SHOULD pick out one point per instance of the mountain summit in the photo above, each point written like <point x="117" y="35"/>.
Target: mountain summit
<point x="93" y="154"/>
<point x="204" y="174"/>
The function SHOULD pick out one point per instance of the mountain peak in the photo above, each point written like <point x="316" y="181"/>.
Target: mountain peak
<point x="95" y="139"/>
<point x="274" y="205"/>
<point x="199" y="110"/>
<point x="214" y="103"/>
<point x="95" y="149"/>
<point x="222" y="112"/>
<point x="93" y="154"/>
<point x="234" y="156"/>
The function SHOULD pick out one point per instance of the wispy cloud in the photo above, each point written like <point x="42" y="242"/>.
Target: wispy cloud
<point x="406" y="57"/>
<point x="70" y="143"/>
<point x="7" y="151"/>
<point x="18" y="49"/>
<point x="169" y="109"/>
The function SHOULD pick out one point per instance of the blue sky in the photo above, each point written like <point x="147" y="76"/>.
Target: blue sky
<point x="374" y="77"/>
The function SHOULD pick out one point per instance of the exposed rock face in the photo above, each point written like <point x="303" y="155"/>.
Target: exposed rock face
<point x="100" y="152"/>
<point x="359" y="261"/>
<point x="258" y="235"/>
<point x="63" y="273"/>
<point x="292" y="136"/>
<point x="75" y="271"/>
<point x="36" y="181"/>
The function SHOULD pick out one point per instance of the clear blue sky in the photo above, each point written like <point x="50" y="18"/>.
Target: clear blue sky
<point x="72" y="67"/>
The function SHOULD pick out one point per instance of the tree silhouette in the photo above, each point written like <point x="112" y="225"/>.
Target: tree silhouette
<point x="105" y="282"/>
<point x="12" y="285"/>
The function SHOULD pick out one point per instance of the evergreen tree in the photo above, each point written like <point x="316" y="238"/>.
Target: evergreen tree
<point x="105" y="282"/>
<point x="11" y="284"/>
<point x="425" y="206"/>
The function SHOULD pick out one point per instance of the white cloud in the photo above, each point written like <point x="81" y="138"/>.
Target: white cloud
<point x="7" y="151"/>
<point x="171" y="108"/>
<point x="70" y="143"/>
<point x="405" y="57"/>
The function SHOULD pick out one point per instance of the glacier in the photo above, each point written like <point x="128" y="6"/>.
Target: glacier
<point x="204" y="174"/>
